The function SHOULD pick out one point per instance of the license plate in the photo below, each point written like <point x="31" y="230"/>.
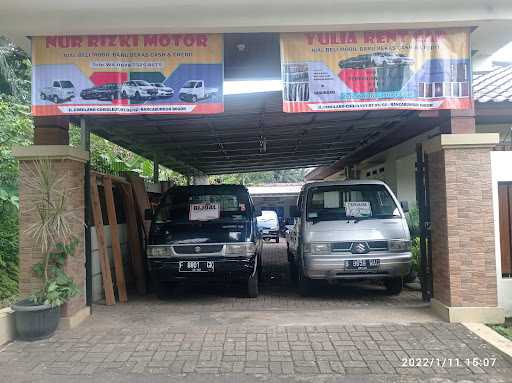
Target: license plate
<point x="196" y="266"/>
<point x="362" y="264"/>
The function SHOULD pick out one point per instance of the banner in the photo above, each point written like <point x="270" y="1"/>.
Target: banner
<point x="127" y="74"/>
<point x="373" y="70"/>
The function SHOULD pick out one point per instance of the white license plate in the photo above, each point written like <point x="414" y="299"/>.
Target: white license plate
<point x="362" y="264"/>
<point x="196" y="266"/>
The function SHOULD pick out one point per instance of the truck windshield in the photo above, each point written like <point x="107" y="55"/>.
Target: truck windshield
<point x="190" y="84"/>
<point x="185" y="207"/>
<point x="66" y="84"/>
<point x="329" y="203"/>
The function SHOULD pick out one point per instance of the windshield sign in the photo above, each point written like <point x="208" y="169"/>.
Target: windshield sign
<point x="204" y="211"/>
<point x="338" y="202"/>
<point x="358" y="209"/>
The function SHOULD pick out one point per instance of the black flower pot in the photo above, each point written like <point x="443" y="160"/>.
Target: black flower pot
<point x="35" y="321"/>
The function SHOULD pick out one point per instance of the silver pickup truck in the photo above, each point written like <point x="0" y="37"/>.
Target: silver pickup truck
<point x="349" y="230"/>
<point x="59" y="91"/>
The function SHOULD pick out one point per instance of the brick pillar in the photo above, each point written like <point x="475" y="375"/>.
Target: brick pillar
<point x="51" y="130"/>
<point x="463" y="256"/>
<point x="69" y="162"/>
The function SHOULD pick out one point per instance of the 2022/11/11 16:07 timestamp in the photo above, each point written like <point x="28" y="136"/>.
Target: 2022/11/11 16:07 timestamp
<point x="448" y="362"/>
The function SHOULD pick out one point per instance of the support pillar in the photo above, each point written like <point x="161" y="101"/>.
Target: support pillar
<point x="463" y="247"/>
<point x="51" y="131"/>
<point x="68" y="162"/>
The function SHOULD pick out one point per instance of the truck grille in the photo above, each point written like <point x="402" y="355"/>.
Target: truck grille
<point x="197" y="249"/>
<point x="346" y="246"/>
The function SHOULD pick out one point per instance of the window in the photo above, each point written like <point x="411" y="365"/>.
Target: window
<point x="176" y="206"/>
<point x="328" y="202"/>
<point x="56" y="84"/>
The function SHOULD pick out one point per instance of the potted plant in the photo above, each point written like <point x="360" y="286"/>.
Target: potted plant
<point x="38" y="316"/>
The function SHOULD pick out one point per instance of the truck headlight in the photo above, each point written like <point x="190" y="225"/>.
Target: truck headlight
<point x="320" y="248"/>
<point x="399" y="245"/>
<point x="240" y="249"/>
<point x="158" y="251"/>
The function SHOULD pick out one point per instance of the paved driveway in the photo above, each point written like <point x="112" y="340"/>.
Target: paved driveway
<point x="210" y="334"/>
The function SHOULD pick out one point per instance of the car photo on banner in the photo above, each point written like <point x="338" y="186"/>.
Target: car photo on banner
<point x="372" y="70"/>
<point x="162" y="74"/>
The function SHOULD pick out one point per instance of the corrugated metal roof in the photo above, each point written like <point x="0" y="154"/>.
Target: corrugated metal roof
<point x="493" y="86"/>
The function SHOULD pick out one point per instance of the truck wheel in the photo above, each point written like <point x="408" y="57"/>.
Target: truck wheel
<point x="294" y="275"/>
<point x="304" y="283"/>
<point x="43" y="96"/>
<point x="260" y="269"/>
<point x="277" y="239"/>
<point x="164" y="290"/>
<point x="55" y="99"/>
<point x="253" y="286"/>
<point x="194" y="99"/>
<point x="394" y="285"/>
<point x="124" y="95"/>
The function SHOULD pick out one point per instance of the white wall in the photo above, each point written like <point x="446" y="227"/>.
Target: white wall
<point x="500" y="164"/>
<point x="97" y="284"/>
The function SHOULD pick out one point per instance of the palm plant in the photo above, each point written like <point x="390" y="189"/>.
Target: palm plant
<point x="51" y="230"/>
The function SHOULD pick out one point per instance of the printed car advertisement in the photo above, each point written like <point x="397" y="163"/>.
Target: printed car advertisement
<point x="396" y="69"/>
<point x="127" y="74"/>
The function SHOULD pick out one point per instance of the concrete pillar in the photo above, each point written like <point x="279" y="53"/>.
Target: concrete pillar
<point x="463" y="247"/>
<point x="68" y="162"/>
<point x="51" y="131"/>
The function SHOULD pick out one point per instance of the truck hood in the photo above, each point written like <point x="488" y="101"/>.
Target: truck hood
<point x="199" y="232"/>
<point x="366" y="229"/>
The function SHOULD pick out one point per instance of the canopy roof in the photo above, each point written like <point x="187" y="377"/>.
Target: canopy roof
<point x="254" y="134"/>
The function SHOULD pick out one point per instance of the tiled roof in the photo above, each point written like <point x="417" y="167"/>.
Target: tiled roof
<point x="493" y="86"/>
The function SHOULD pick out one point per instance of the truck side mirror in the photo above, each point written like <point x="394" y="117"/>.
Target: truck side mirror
<point x="405" y="206"/>
<point x="294" y="212"/>
<point x="148" y="214"/>
<point x="257" y="211"/>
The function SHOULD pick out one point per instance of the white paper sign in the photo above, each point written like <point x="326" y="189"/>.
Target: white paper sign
<point x="358" y="209"/>
<point x="204" y="211"/>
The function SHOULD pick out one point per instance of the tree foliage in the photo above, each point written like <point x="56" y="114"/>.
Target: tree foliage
<point x="15" y="129"/>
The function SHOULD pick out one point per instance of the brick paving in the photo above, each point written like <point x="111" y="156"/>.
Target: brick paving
<point x="119" y="341"/>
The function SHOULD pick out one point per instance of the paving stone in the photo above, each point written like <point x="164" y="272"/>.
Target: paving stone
<point x="159" y="346"/>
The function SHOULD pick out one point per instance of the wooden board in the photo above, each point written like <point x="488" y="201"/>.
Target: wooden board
<point x="102" y="245"/>
<point x="134" y="241"/>
<point x="505" y="219"/>
<point x="116" y="246"/>
<point x="141" y="200"/>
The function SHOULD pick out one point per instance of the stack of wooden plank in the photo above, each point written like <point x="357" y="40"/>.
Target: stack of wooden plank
<point x="134" y="200"/>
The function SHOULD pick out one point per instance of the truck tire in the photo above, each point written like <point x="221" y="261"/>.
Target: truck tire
<point x="303" y="283"/>
<point x="43" y="96"/>
<point x="55" y="99"/>
<point x="394" y="285"/>
<point x="294" y="275"/>
<point x="253" y="286"/>
<point x="260" y="269"/>
<point x="164" y="290"/>
<point x="124" y="95"/>
<point x="194" y="99"/>
<point x="277" y="239"/>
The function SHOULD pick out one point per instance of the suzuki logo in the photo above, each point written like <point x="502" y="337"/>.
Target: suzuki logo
<point x="197" y="249"/>
<point x="360" y="248"/>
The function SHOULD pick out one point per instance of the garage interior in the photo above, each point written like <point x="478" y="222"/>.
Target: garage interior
<point x="254" y="134"/>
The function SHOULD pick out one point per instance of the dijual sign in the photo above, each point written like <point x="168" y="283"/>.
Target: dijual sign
<point x="395" y="69"/>
<point x="127" y="74"/>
